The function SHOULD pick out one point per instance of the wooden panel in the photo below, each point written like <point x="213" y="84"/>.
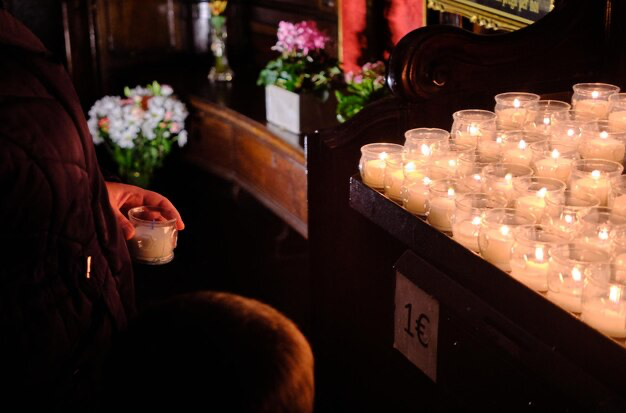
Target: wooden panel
<point x="244" y="151"/>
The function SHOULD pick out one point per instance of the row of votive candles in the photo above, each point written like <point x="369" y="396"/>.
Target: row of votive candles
<point x="523" y="200"/>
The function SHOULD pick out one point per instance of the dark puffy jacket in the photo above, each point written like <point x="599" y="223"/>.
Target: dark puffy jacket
<point x="56" y="317"/>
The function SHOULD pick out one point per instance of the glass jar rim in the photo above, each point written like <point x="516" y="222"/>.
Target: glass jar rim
<point x="506" y="216"/>
<point x="500" y="170"/>
<point x="524" y="183"/>
<point x="563" y="199"/>
<point x="441" y="187"/>
<point x="590" y="165"/>
<point x="521" y="236"/>
<point x="600" y="257"/>
<point x="379" y="147"/>
<point x="523" y="97"/>
<point x="486" y="201"/>
<point x="549" y="105"/>
<point x="565" y="148"/>
<point x="134" y="215"/>
<point x="585" y="88"/>
<point x="474" y="115"/>
<point x="427" y="134"/>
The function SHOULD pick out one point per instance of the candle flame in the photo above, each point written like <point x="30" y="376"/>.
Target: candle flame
<point x="499" y="139"/>
<point x="409" y="167"/>
<point x="505" y="230"/>
<point x="596" y="174"/>
<point x="546" y="121"/>
<point x="426" y="180"/>
<point x="522" y="144"/>
<point x="542" y="193"/>
<point x="539" y="254"/>
<point x="595" y="94"/>
<point x="508" y="177"/>
<point x="576" y="274"/>
<point x="516" y="103"/>
<point x="603" y="234"/>
<point x="604" y="134"/>
<point x="451" y="192"/>
<point x="570" y="132"/>
<point x="451" y="163"/>
<point x="425" y="149"/>
<point x="382" y="156"/>
<point x="568" y="218"/>
<point x="474" y="130"/>
<point x="615" y="294"/>
<point x="477" y="177"/>
<point x="555" y="154"/>
<point x="476" y="221"/>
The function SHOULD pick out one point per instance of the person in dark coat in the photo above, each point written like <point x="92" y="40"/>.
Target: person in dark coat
<point x="66" y="282"/>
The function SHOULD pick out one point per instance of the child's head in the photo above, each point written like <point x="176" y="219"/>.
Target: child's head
<point x="215" y="351"/>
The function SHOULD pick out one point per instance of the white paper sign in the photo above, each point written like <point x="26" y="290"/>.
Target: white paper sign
<point x="416" y="324"/>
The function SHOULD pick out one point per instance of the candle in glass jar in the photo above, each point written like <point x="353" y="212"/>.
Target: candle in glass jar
<point x="596" y="185"/>
<point x="555" y="167"/>
<point x="416" y="198"/>
<point x="466" y="233"/>
<point x="617" y="120"/>
<point x="532" y="272"/>
<point x="605" y="316"/>
<point x="619" y="205"/>
<point x="532" y="205"/>
<point x="393" y="184"/>
<point x="603" y="147"/>
<point x="441" y="208"/>
<point x="511" y="118"/>
<point x="519" y="155"/>
<point x="469" y="137"/>
<point x="497" y="245"/>
<point x="567" y="294"/>
<point x="599" y="107"/>
<point x="374" y="172"/>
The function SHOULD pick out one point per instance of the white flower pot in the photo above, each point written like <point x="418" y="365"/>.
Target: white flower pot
<point x="299" y="113"/>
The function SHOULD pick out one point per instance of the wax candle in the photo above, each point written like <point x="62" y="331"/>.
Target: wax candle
<point x="395" y="179"/>
<point x="599" y="108"/>
<point x="466" y="232"/>
<point x="471" y="125"/>
<point x="595" y="184"/>
<point x="617" y="120"/>
<point x="469" y="137"/>
<point x="593" y="98"/>
<point x="602" y="146"/>
<point x="373" y="162"/>
<point x="155" y="235"/>
<point x="439" y="212"/>
<point x="467" y="215"/>
<point x="374" y="172"/>
<point x="511" y="118"/>
<point x="606" y="316"/>
<point x="521" y="154"/>
<point x="416" y="197"/>
<point x="530" y="273"/>
<point x="510" y="109"/>
<point x="554" y="166"/>
<point x="495" y="246"/>
<point x="619" y="205"/>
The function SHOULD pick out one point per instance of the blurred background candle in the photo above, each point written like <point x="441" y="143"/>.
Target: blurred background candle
<point x="510" y="109"/>
<point x="471" y="125"/>
<point x="530" y="254"/>
<point x="604" y="302"/>
<point x="441" y="196"/>
<point x="568" y="266"/>
<point x="600" y="141"/>
<point x="593" y="98"/>
<point x="617" y="111"/>
<point x="593" y="176"/>
<point x="530" y="193"/>
<point x="553" y="159"/>
<point x="372" y="163"/>
<point x="495" y="237"/>
<point x="498" y="179"/>
<point x="468" y="210"/>
<point x="415" y="186"/>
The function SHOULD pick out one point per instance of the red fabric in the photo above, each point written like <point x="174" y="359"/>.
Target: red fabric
<point x="402" y="16"/>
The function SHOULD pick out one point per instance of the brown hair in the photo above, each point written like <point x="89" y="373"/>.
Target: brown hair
<point x="222" y="351"/>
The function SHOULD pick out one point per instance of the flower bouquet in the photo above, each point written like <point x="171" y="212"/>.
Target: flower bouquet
<point x="361" y="88"/>
<point x="138" y="131"/>
<point x="299" y="81"/>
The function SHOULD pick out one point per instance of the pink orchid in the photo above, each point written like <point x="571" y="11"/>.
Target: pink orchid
<point x="302" y="37"/>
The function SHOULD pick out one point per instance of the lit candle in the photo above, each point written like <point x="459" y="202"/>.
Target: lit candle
<point x="599" y="108"/>
<point x="374" y="172"/>
<point x="519" y="155"/>
<point x="603" y="147"/>
<point x="617" y="120"/>
<point x="512" y="118"/>
<point x="495" y="246"/>
<point x="155" y="235"/>
<point x="607" y="315"/>
<point x="416" y="197"/>
<point x="532" y="205"/>
<point x="469" y="137"/>
<point x="393" y="184"/>
<point x="555" y="167"/>
<point x="441" y="208"/>
<point x="532" y="272"/>
<point x="567" y="293"/>
<point x="619" y="205"/>
<point x="491" y="148"/>
<point x="466" y="233"/>
<point x="596" y="184"/>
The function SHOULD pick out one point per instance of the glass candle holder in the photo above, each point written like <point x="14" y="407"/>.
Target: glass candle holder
<point x="562" y="211"/>
<point x="618" y="247"/>
<point x="568" y="268"/>
<point x="604" y="302"/>
<point x="418" y="142"/>
<point x="600" y="141"/>
<point x="372" y="164"/>
<point x="495" y="237"/>
<point x="617" y="195"/>
<point x="595" y="226"/>
<point x="541" y="115"/>
<point x="471" y="125"/>
<point x="593" y="176"/>
<point x="394" y="176"/>
<point x="617" y="111"/>
<point x="155" y="235"/>
<point x="441" y="196"/>
<point x="593" y="97"/>
<point x="493" y="144"/>
<point x="530" y="254"/>
<point x="470" y="166"/>
<point x="553" y="159"/>
<point x="498" y="178"/>
<point x="510" y="109"/>
<point x="467" y="216"/>
<point x="417" y="180"/>
<point x="530" y="193"/>
<point x="516" y="147"/>
<point x="445" y="155"/>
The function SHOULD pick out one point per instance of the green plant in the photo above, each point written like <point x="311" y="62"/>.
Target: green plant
<point x="362" y="88"/>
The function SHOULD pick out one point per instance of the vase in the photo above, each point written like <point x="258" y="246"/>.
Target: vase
<point x="299" y="113"/>
<point x="220" y="71"/>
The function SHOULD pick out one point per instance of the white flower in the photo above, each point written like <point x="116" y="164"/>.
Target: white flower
<point x="182" y="138"/>
<point x="166" y="90"/>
